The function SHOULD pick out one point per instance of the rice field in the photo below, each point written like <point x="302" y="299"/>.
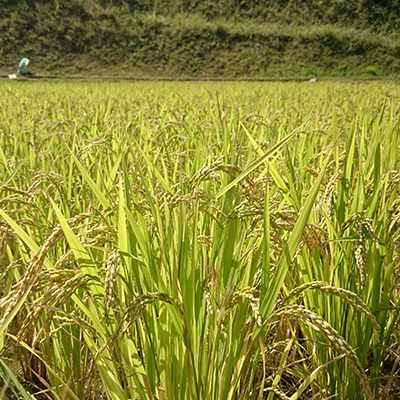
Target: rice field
<point x="180" y="241"/>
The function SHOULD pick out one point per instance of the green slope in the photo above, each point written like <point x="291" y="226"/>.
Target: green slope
<point x="193" y="39"/>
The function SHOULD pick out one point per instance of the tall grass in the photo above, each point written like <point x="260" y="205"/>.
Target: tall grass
<point x="176" y="241"/>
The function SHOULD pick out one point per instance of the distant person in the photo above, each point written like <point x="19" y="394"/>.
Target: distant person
<point x="23" y="66"/>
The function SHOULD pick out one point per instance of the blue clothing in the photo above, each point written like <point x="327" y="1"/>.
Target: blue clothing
<point x="23" y="66"/>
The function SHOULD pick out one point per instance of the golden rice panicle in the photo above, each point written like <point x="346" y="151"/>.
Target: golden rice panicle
<point x="49" y="178"/>
<point x="320" y="325"/>
<point x="207" y="172"/>
<point x="351" y="298"/>
<point x="208" y="296"/>
<point x="31" y="275"/>
<point x="360" y="257"/>
<point x="396" y="264"/>
<point x="330" y="192"/>
<point x="362" y="225"/>
<point x="299" y="291"/>
<point x="59" y="287"/>
<point x="356" y="302"/>
<point x="112" y="269"/>
<point x="93" y="144"/>
<point x="140" y="303"/>
<point x="278" y="392"/>
<point x="8" y="236"/>
<point x="246" y="293"/>
<point x="15" y="190"/>
<point x="367" y="224"/>
<point x="208" y="302"/>
<point x="206" y="240"/>
<point x="396" y="254"/>
<point x="64" y="260"/>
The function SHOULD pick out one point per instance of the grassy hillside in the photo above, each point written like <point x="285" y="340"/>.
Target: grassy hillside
<point x="193" y="39"/>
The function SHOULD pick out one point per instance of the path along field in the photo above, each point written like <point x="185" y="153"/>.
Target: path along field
<point x="200" y="240"/>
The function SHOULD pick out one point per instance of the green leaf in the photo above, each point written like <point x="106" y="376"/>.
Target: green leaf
<point x="255" y="164"/>
<point x="98" y="193"/>
<point x="20" y="232"/>
<point x="290" y="248"/>
<point x="82" y="258"/>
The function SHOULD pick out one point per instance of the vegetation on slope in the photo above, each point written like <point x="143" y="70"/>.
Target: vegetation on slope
<point x="147" y="38"/>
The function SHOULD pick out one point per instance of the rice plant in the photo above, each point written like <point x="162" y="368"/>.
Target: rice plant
<point x="200" y="241"/>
